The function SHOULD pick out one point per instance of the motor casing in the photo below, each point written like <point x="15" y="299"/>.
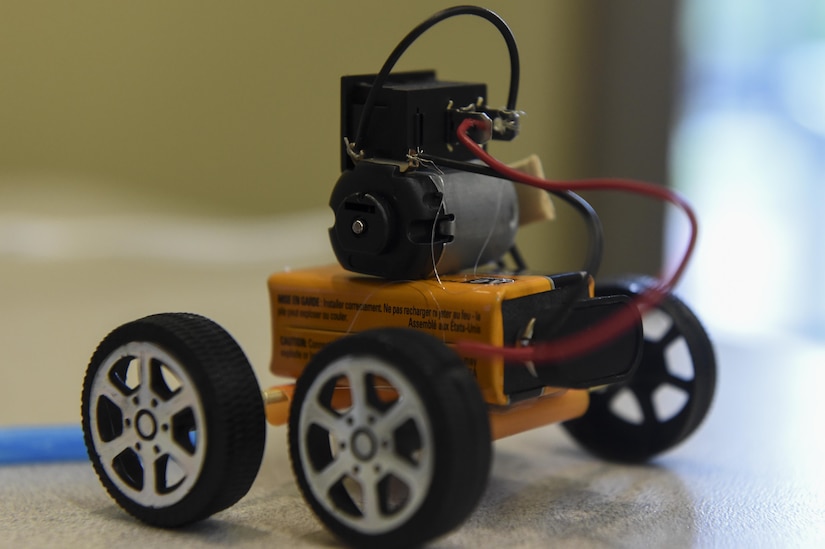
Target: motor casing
<point x="416" y="223"/>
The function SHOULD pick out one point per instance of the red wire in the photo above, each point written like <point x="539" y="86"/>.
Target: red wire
<point x="605" y="331"/>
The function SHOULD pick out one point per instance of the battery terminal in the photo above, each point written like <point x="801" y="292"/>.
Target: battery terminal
<point x="524" y="339"/>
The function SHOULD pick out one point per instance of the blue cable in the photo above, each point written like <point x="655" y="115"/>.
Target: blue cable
<point x="41" y="444"/>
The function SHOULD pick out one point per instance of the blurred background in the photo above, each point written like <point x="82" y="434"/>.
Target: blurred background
<point x="163" y="156"/>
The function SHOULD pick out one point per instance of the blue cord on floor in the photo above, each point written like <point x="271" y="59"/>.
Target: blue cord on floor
<point x="41" y="444"/>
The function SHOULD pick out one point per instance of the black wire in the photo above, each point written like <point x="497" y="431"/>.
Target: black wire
<point x="414" y="34"/>
<point x="595" y="231"/>
<point x="518" y="259"/>
<point x="595" y="248"/>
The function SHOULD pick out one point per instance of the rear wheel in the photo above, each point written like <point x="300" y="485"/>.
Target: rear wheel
<point x="173" y="418"/>
<point x="668" y="396"/>
<point x="389" y="438"/>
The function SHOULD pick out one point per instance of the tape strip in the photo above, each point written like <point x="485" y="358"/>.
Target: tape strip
<point x="41" y="444"/>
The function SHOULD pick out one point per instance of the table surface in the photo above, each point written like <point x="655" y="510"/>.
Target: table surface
<point x="750" y="476"/>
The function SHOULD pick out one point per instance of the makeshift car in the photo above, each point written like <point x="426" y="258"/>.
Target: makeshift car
<point x="408" y="359"/>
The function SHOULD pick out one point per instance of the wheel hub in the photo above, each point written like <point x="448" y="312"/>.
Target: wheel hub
<point x="363" y="444"/>
<point x="146" y="424"/>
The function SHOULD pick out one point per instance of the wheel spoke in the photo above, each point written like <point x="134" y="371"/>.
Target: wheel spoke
<point x="645" y="399"/>
<point x="359" y="390"/>
<point x="371" y="505"/>
<point x="185" y="399"/>
<point x="683" y="384"/>
<point x="144" y="367"/>
<point x="144" y="389"/>
<point x="108" y="451"/>
<point x="401" y="411"/>
<point x="150" y="473"/>
<point x="114" y="393"/>
<point x="326" y="479"/>
<point x="323" y="417"/>
<point x="414" y="476"/>
<point x="673" y="333"/>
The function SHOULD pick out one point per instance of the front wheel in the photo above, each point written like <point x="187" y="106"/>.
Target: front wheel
<point x="389" y="438"/>
<point x="668" y="396"/>
<point x="173" y="418"/>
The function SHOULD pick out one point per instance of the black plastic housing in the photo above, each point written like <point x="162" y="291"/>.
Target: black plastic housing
<point x="410" y="113"/>
<point x="398" y="212"/>
<point x="564" y="311"/>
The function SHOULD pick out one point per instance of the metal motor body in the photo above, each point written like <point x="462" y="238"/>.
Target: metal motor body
<point x="416" y="223"/>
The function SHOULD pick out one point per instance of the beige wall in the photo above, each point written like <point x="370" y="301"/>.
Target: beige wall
<point x="232" y="107"/>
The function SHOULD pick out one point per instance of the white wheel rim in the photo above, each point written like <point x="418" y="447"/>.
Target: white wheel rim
<point x="147" y="424"/>
<point x="370" y="476"/>
<point x="673" y="392"/>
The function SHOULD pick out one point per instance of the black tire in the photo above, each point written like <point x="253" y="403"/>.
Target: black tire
<point x="422" y="449"/>
<point x="173" y="418"/>
<point x="635" y="421"/>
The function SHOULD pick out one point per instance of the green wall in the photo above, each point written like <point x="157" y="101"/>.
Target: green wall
<point x="232" y="107"/>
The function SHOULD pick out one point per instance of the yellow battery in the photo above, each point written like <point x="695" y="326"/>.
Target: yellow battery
<point x="311" y="308"/>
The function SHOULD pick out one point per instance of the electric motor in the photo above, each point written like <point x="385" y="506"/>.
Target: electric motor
<point x="416" y="223"/>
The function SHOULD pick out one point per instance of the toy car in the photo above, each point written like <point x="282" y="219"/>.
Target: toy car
<point x="393" y="410"/>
